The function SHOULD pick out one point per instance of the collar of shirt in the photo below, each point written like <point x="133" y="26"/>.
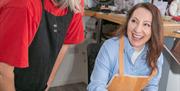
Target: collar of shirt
<point x="135" y="55"/>
<point x="51" y="8"/>
<point x="129" y="50"/>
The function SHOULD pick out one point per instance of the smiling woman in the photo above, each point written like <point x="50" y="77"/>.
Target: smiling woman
<point x="133" y="60"/>
<point x="139" y="28"/>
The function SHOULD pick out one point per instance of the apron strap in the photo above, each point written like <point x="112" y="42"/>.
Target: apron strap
<point x="121" y="56"/>
<point x="121" y="60"/>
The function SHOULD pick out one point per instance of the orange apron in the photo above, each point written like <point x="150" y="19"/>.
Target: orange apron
<point x="121" y="82"/>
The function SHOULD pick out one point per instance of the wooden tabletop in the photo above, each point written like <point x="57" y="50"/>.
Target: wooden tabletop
<point x="170" y="27"/>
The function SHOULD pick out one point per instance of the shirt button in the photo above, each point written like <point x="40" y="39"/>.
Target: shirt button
<point x="54" y="25"/>
<point x="55" y="30"/>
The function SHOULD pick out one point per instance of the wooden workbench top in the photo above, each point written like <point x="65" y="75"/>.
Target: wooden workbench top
<point x="170" y="26"/>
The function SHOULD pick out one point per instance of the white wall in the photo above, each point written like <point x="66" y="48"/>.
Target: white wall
<point x="73" y="68"/>
<point x="171" y="71"/>
<point x="173" y="82"/>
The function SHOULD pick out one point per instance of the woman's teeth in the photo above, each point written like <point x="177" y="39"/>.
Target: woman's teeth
<point x="135" y="36"/>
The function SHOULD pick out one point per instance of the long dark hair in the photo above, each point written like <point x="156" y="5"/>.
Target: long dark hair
<point x="155" y="44"/>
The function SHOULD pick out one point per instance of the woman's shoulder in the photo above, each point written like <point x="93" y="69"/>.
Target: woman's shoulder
<point x="17" y="3"/>
<point x="111" y="45"/>
<point x="112" y="49"/>
<point x="112" y="42"/>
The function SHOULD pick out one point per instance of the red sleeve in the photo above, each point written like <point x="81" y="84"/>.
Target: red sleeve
<point x="75" y="33"/>
<point x="14" y="36"/>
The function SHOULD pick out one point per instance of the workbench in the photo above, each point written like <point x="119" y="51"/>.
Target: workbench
<point x="170" y="27"/>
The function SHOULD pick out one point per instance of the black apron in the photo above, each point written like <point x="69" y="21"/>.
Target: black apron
<point x="43" y="52"/>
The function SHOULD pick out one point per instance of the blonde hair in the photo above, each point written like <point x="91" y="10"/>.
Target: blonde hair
<point x="75" y="5"/>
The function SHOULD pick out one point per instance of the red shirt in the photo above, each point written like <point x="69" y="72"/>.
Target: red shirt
<point x="75" y="33"/>
<point x="19" y="20"/>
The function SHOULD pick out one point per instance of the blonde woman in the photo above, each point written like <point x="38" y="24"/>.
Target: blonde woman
<point x="36" y="31"/>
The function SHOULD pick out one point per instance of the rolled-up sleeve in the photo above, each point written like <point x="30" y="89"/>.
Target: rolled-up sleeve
<point x="154" y="82"/>
<point x="75" y="33"/>
<point x="14" y="36"/>
<point x="18" y="25"/>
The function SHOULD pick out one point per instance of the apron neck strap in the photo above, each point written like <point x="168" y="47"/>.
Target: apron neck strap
<point x="121" y="56"/>
<point x="121" y="60"/>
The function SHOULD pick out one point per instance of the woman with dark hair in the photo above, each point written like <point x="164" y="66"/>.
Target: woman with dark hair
<point x="133" y="61"/>
<point x="32" y="33"/>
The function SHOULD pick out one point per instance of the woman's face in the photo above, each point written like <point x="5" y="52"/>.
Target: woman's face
<point x="139" y="28"/>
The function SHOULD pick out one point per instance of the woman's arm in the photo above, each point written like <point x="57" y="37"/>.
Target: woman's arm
<point x="101" y="72"/>
<point x="6" y="77"/>
<point x="154" y="82"/>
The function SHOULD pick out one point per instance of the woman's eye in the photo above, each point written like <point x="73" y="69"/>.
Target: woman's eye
<point x="133" y="20"/>
<point x="147" y="25"/>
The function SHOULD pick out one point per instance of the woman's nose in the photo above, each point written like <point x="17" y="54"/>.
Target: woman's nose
<point x="138" y="28"/>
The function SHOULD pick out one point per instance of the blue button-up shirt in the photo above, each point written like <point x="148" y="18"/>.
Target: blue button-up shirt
<point x="107" y="65"/>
